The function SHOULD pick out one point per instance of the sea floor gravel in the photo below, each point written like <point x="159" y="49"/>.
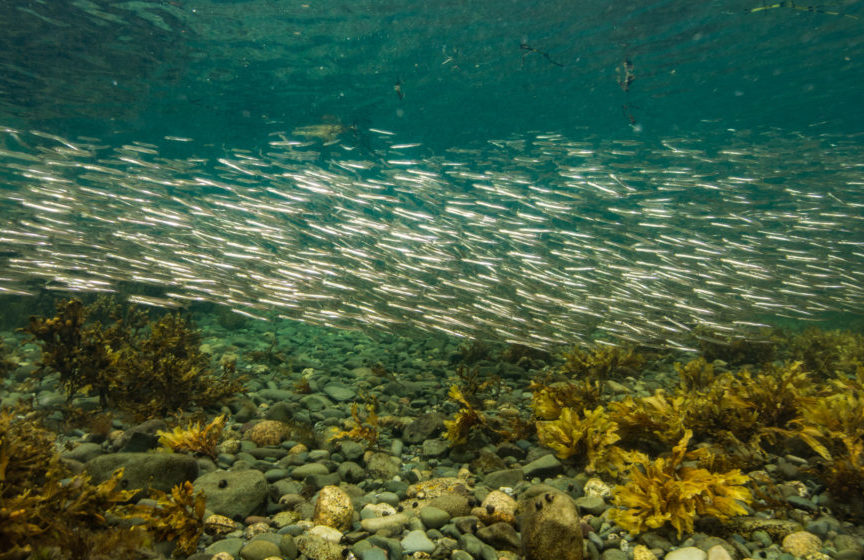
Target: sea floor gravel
<point x="280" y="487"/>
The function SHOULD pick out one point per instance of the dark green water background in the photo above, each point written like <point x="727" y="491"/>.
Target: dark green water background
<point x="232" y="72"/>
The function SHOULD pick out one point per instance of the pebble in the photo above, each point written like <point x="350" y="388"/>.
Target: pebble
<point x="595" y="505"/>
<point x="433" y="517"/>
<point x="417" y="541"/>
<point x="849" y="554"/>
<point x="435" y="447"/>
<point x="686" y="553"/>
<point x="801" y="543"/>
<point x="326" y="533"/>
<point x="351" y="449"/>
<point x="544" y="466"/>
<point x="503" y="478"/>
<point x="719" y="552"/>
<point x="375" y="524"/>
<point x="502" y="536"/>
<point x="230" y="545"/>
<point x="309" y="469"/>
<point x="390" y="498"/>
<point x="613" y="554"/>
<point x="373" y="553"/>
<point x="339" y="392"/>
<point x="376" y="510"/>
<point x="259" y="549"/>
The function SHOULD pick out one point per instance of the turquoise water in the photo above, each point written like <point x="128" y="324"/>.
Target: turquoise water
<point x="538" y="172"/>
<point x="232" y="72"/>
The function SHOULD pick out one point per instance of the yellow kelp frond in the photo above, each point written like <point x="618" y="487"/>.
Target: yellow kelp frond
<point x="365" y="429"/>
<point x="664" y="491"/>
<point x="178" y="516"/>
<point x="194" y="438"/>
<point x="659" y="417"/>
<point x="591" y="436"/>
<point x="548" y="399"/>
<point x="695" y="375"/>
<point x="458" y="429"/>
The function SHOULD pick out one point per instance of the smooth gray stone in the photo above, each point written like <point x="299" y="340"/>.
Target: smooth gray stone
<point x="234" y="494"/>
<point x="339" y="392"/>
<point x="84" y="452"/>
<point x="309" y="469"/>
<point x="502" y="478"/>
<point x="433" y="517"/>
<point x="259" y="549"/>
<point x="545" y="465"/>
<point x="161" y="471"/>
<point x="417" y="541"/>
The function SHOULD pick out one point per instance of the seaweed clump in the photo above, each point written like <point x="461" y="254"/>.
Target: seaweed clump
<point x="361" y="429"/>
<point x="665" y="491"/>
<point x="194" y="438"/>
<point x="466" y="419"/>
<point x="833" y="426"/>
<point x="147" y="368"/>
<point x="6" y="364"/>
<point x="592" y="435"/>
<point x="602" y="362"/>
<point x="827" y="353"/>
<point x="43" y="511"/>
<point x="46" y="511"/>
<point x="177" y="517"/>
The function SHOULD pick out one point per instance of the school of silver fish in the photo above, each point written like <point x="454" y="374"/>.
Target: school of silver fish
<point x="540" y="239"/>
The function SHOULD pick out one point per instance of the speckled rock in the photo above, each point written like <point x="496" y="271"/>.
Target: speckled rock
<point x="454" y="504"/>
<point x="551" y="528"/>
<point x="383" y="466"/>
<point x="333" y="508"/>
<point x="219" y="525"/>
<point x="496" y="507"/>
<point x="801" y="543"/>
<point x="316" y="548"/>
<point x="597" y="488"/>
<point x="777" y="528"/>
<point x="255" y="529"/>
<point x="642" y="552"/>
<point x="436" y="487"/>
<point x="268" y="432"/>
